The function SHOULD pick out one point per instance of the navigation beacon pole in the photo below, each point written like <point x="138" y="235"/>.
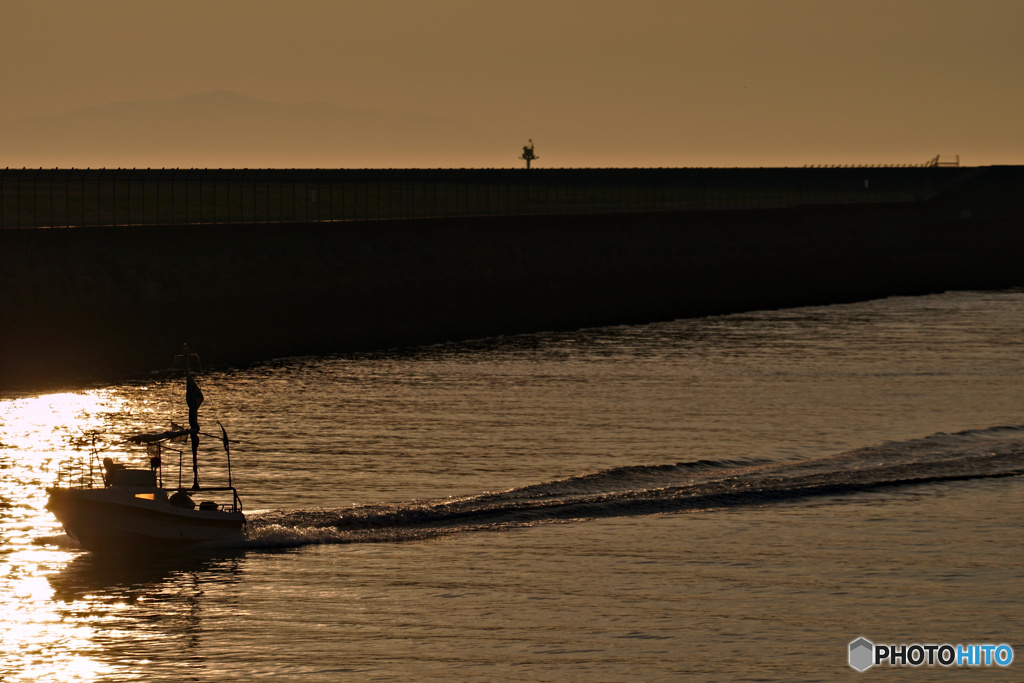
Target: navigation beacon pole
<point x="528" y="154"/>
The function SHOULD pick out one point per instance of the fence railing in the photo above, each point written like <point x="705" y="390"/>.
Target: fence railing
<point x="130" y="197"/>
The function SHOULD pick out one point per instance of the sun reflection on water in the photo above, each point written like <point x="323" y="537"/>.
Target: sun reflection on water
<point x="43" y="638"/>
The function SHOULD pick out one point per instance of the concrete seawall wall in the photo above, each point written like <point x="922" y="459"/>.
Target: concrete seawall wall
<point x="108" y="197"/>
<point x="109" y="302"/>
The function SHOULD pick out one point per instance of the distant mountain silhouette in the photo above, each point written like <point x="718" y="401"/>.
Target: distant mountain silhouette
<point x="224" y="129"/>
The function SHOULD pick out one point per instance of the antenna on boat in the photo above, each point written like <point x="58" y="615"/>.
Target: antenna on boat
<point x="92" y="457"/>
<point x="188" y="354"/>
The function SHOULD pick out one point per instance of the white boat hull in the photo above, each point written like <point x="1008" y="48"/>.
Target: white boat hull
<point x="116" y="518"/>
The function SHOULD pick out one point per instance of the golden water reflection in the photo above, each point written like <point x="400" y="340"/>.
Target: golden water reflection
<point x="46" y="636"/>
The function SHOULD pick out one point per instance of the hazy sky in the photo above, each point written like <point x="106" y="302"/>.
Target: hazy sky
<point x="637" y="83"/>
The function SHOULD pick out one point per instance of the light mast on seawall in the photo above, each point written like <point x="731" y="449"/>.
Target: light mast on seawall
<point x="528" y="154"/>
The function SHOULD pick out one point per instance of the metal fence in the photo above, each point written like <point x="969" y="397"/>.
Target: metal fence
<point x="132" y="197"/>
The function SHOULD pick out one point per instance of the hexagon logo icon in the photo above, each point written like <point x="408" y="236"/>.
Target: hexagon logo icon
<point x="862" y="654"/>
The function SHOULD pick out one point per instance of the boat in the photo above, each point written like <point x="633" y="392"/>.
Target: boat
<point x="105" y="505"/>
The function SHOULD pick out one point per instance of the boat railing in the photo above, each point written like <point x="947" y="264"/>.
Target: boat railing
<point x="236" y="502"/>
<point x="84" y="469"/>
<point x="82" y="473"/>
<point x="79" y="473"/>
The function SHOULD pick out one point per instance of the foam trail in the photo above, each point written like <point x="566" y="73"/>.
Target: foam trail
<point x="643" y="490"/>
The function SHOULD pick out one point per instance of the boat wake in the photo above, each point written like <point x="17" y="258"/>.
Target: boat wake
<point x="703" y="485"/>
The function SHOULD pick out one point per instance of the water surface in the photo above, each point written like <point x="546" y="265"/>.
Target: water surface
<point x="733" y="497"/>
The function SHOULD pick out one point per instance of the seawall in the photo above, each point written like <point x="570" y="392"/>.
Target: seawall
<point x="105" y="303"/>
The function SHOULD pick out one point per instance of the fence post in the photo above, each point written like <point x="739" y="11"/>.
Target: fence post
<point x="18" y="198"/>
<point x="317" y="197"/>
<point x="346" y="179"/>
<point x="313" y="192"/>
<point x="253" y="182"/>
<point x="527" y="204"/>
<point x="145" y="176"/>
<point x="85" y="172"/>
<point x="130" y="196"/>
<point x="305" y="196"/>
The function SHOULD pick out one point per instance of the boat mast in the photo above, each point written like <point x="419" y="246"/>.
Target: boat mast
<point x="227" y="449"/>
<point x="194" y="399"/>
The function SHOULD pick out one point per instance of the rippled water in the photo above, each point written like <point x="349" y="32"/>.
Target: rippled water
<point x="735" y="497"/>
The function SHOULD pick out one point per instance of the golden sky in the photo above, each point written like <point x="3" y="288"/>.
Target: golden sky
<point x="594" y="83"/>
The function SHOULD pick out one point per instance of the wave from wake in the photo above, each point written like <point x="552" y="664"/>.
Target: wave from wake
<point x="646" y="490"/>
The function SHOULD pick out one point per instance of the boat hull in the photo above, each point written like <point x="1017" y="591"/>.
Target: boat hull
<point x="117" y="519"/>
